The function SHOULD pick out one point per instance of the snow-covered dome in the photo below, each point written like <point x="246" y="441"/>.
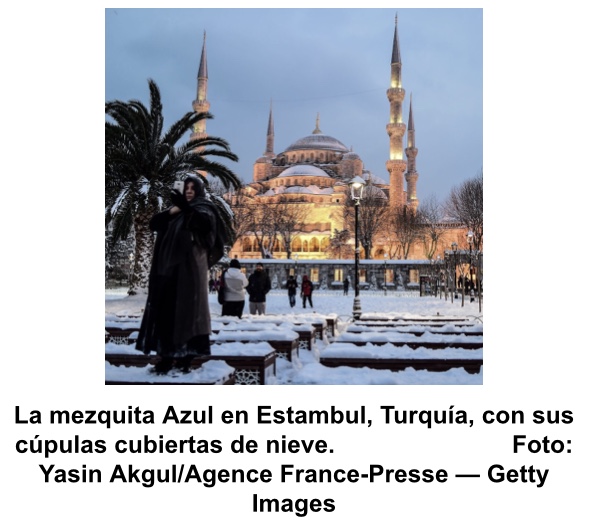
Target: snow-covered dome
<point x="350" y="156"/>
<point x="303" y="170"/>
<point x="298" y="189"/>
<point x="318" y="142"/>
<point x="374" y="192"/>
<point x="374" y="179"/>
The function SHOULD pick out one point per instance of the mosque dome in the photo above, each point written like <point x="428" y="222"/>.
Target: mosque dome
<point x="375" y="192"/>
<point x="371" y="178"/>
<point x="303" y="170"/>
<point x="318" y="142"/>
<point x="350" y="156"/>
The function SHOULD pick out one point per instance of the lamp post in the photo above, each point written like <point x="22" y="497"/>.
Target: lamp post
<point x="295" y="267"/>
<point x="438" y="275"/>
<point x="454" y="248"/>
<point x="478" y="283"/>
<point x="357" y="187"/>
<point x="385" y="275"/>
<point x="469" y="237"/>
<point x="445" y="273"/>
<point x="131" y="262"/>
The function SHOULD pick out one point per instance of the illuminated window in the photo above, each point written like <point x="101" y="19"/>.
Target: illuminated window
<point x="414" y="276"/>
<point x="314" y="274"/>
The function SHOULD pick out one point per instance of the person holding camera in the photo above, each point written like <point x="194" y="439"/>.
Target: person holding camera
<point x="234" y="282"/>
<point x="176" y="320"/>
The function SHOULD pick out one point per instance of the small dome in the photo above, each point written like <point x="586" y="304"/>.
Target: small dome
<point x="375" y="192"/>
<point x="374" y="179"/>
<point x="303" y="170"/>
<point x="350" y="156"/>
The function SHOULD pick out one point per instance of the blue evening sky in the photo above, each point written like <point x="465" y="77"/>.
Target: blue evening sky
<point x="335" y="62"/>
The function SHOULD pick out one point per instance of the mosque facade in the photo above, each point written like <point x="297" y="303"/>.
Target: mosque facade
<point x="315" y="172"/>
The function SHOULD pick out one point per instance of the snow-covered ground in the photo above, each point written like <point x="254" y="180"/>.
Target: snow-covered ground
<point x="308" y="370"/>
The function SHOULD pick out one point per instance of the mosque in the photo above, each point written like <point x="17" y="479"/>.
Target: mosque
<point x="315" y="171"/>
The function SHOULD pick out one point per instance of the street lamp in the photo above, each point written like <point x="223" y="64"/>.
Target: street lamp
<point x="469" y="237"/>
<point x="357" y="187"/>
<point x="131" y="259"/>
<point x="295" y="267"/>
<point x="385" y="275"/>
<point x="454" y="248"/>
<point x="438" y="275"/>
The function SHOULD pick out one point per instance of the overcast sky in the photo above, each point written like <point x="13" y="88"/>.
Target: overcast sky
<point x="335" y="62"/>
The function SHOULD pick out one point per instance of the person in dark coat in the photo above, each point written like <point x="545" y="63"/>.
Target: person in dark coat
<point x="258" y="287"/>
<point x="307" y="288"/>
<point x="291" y="289"/>
<point x="345" y="286"/>
<point x="176" y="320"/>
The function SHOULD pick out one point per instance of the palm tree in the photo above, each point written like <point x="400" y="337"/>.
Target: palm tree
<point x="141" y="165"/>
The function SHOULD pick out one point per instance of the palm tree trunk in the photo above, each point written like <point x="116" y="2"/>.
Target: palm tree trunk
<point x="144" y="246"/>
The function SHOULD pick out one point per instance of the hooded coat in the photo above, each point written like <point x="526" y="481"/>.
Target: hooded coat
<point x="259" y="286"/>
<point x="177" y="312"/>
<point x="235" y="283"/>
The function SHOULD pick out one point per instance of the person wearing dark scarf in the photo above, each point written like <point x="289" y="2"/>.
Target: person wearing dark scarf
<point x="176" y="320"/>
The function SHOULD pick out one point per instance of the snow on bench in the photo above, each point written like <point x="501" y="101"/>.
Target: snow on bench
<point x="427" y="339"/>
<point x="412" y="318"/>
<point x="417" y="329"/>
<point x="391" y="357"/>
<point x="284" y="341"/>
<point x="255" y="363"/>
<point x="214" y="372"/>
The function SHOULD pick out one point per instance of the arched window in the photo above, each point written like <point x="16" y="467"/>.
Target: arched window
<point x="314" y="245"/>
<point x="324" y="244"/>
<point x="296" y="245"/>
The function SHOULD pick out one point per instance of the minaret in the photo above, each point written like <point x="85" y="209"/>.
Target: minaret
<point x="396" y="165"/>
<point x="270" y="136"/>
<point x="263" y="165"/>
<point x="317" y="129"/>
<point x="201" y="103"/>
<point x="411" y="153"/>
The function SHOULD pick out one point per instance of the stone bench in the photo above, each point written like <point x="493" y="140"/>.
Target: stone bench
<point x="306" y="333"/>
<point x="213" y="372"/>
<point x="318" y="322"/>
<point x="391" y="357"/>
<point x="284" y="342"/>
<point x="413" y="319"/>
<point x="254" y="365"/>
<point x="416" y="329"/>
<point x="425" y="340"/>
<point x="119" y="335"/>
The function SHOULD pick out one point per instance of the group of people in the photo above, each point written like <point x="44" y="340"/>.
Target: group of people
<point x="306" y="288"/>
<point x="235" y="284"/>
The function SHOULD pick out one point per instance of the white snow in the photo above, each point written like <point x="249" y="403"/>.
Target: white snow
<point x="282" y="321"/>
